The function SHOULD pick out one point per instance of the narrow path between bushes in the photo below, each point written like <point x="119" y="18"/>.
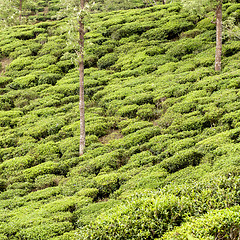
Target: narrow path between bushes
<point x="4" y="63"/>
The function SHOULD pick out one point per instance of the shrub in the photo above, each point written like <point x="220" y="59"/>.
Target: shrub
<point x="63" y="89"/>
<point x="49" y="78"/>
<point x="42" y="194"/>
<point x="20" y="63"/>
<point x="45" y="231"/>
<point x="88" y="192"/>
<point x="6" y="49"/>
<point x="140" y="218"/>
<point x="97" y="128"/>
<point x="190" y="33"/>
<point x="27" y="81"/>
<point x="49" y="167"/>
<point x="28" y="34"/>
<point x="135" y="139"/>
<point x="106" y="184"/>
<point x="66" y="204"/>
<point x="88" y="213"/>
<point x="214" y="225"/>
<point x="182" y="159"/>
<point x="132" y="127"/>
<point x="205" y="24"/>
<point x="45" y="151"/>
<point x="7" y="116"/>
<point x="73" y="184"/>
<point x="231" y="49"/>
<point x="107" y="60"/>
<point x="152" y="51"/>
<point x="146" y="112"/>
<point x="184" y="47"/>
<point x="3" y="185"/>
<point x="66" y="65"/>
<point x="141" y="159"/>
<point x="53" y="47"/>
<point x="169" y="30"/>
<point x="233" y="8"/>
<point x="20" y="52"/>
<point x="140" y="98"/>
<point x="112" y="161"/>
<point x="21" y="185"/>
<point x="91" y="60"/>
<point x="44" y="61"/>
<point x="3" y="237"/>
<point x="129" y="29"/>
<point x="45" y="127"/>
<point x="128" y="111"/>
<point x="12" y="193"/>
<point x="47" y="180"/>
<point x="18" y="163"/>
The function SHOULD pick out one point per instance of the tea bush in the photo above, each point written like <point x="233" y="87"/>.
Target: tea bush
<point x="106" y="184"/>
<point x="20" y="63"/>
<point x="24" y="82"/>
<point x="216" y="224"/>
<point x="181" y="160"/>
<point x="128" y="111"/>
<point x="135" y="126"/>
<point x="45" y="231"/>
<point x="3" y="185"/>
<point x="157" y="117"/>
<point x="135" y="139"/>
<point x="143" y="218"/>
<point x="147" y="112"/>
<point x="107" y="60"/>
<point x="48" y="167"/>
<point x="49" y="78"/>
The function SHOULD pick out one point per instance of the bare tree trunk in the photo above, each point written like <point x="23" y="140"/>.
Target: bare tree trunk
<point x="81" y="80"/>
<point x="218" y="37"/>
<point x="20" y="10"/>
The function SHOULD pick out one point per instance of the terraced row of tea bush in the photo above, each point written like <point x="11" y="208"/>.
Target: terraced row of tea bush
<point x="162" y="153"/>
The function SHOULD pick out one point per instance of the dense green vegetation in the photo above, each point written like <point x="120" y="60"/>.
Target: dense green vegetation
<point x="163" y="133"/>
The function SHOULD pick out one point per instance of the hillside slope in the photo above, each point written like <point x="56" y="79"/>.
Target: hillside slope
<point x="162" y="157"/>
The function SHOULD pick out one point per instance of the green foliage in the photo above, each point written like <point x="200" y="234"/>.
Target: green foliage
<point x="24" y="82"/>
<point x="107" y="60"/>
<point x="45" y="231"/>
<point x="218" y="223"/>
<point x="20" y="63"/>
<point x="46" y="181"/>
<point x="205" y="24"/>
<point x="3" y="185"/>
<point x="41" y="169"/>
<point x="128" y="110"/>
<point x="144" y="217"/>
<point x="181" y="160"/>
<point x="162" y="145"/>
<point x="49" y="78"/>
<point x="169" y="30"/>
<point x="135" y="126"/>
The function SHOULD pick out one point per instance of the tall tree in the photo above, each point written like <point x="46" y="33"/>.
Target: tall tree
<point x="77" y="10"/>
<point x="11" y="11"/>
<point x="20" y="10"/>
<point x="200" y="7"/>
<point x="81" y="31"/>
<point x="218" y="54"/>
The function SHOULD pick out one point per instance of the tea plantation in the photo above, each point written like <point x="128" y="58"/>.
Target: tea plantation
<point x="162" y="158"/>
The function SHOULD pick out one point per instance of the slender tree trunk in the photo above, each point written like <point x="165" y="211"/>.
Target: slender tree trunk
<point x="218" y="37"/>
<point x="20" y="10"/>
<point x="81" y="80"/>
